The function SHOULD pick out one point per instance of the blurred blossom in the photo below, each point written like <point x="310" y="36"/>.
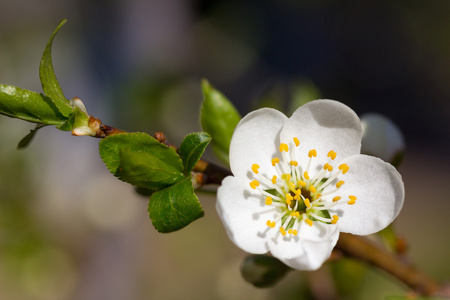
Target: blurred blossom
<point x="382" y="138"/>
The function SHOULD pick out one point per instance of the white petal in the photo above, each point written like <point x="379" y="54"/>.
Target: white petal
<point x="379" y="190"/>
<point x="242" y="211"/>
<point x="323" y="125"/>
<point x="254" y="141"/>
<point x="309" y="249"/>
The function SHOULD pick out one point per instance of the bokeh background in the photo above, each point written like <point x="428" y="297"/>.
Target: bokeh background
<point x="70" y="230"/>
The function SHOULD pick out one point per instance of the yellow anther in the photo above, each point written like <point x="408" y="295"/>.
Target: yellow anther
<point x="344" y="168"/>
<point x="309" y="221"/>
<point x="337" y="198"/>
<point x="335" y="219"/>
<point x="283" y="232"/>
<point x="306" y="175"/>
<point x="275" y="161"/>
<point x="318" y="196"/>
<point x="286" y="177"/>
<point x="255" y="168"/>
<point x="338" y="185"/>
<point x="274" y="179"/>
<point x="295" y="214"/>
<point x="292" y="231"/>
<point x="296" y="141"/>
<point x="269" y="201"/>
<point x="328" y="167"/>
<point x="292" y="185"/>
<point x="294" y="163"/>
<point x="312" y="153"/>
<point x="298" y="192"/>
<point x="270" y="224"/>
<point x="254" y="184"/>
<point x="301" y="183"/>
<point x="352" y="200"/>
<point x="312" y="189"/>
<point x="289" y="199"/>
<point x="284" y="147"/>
<point x="307" y="203"/>
<point x="331" y="154"/>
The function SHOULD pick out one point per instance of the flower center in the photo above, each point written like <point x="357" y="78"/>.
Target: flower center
<point x="297" y="196"/>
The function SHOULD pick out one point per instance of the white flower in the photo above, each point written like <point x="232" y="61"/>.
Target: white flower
<point x="299" y="181"/>
<point x="382" y="138"/>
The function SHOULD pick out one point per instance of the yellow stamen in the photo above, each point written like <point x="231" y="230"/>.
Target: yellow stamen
<point x="332" y="154"/>
<point x="295" y="214"/>
<point x="275" y="161"/>
<point x="270" y="224"/>
<point x="312" y="189"/>
<point x="335" y="219"/>
<point x="301" y="183"/>
<point x="284" y="147"/>
<point x="309" y="221"/>
<point x="338" y="185"/>
<point x="274" y="179"/>
<point x="283" y="232"/>
<point x="312" y="153"/>
<point x="255" y="168"/>
<point x="296" y="141"/>
<point x="344" y="168"/>
<point x="292" y="185"/>
<point x="328" y="167"/>
<point x="292" y="231"/>
<point x="289" y="199"/>
<point x="306" y="175"/>
<point x="337" y="198"/>
<point x="294" y="163"/>
<point x="352" y="200"/>
<point x="269" y="200"/>
<point x="318" y="196"/>
<point x="286" y="177"/>
<point x="254" y="184"/>
<point x="307" y="203"/>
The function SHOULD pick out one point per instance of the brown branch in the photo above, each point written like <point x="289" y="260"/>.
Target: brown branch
<point x="360" y="248"/>
<point x="211" y="173"/>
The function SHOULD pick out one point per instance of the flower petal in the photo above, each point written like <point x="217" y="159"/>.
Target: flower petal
<point x="380" y="193"/>
<point x="240" y="210"/>
<point x="323" y="125"/>
<point x="254" y="141"/>
<point x="309" y="250"/>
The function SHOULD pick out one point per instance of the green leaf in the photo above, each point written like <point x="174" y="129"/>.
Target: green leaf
<point x="156" y="164"/>
<point x="219" y="118"/>
<point x="29" y="106"/>
<point x="29" y="137"/>
<point x="146" y="170"/>
<point x="174" y="207"/>
<point x="50" y="84"/>
<point x="192" y="148"/>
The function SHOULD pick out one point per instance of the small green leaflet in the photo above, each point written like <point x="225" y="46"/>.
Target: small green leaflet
<point x="174" y="207"/>
<point x="192" y="148"/>
<point x="26" y="140"/>
<point x="50" y="84"/>
<point x="29" y="106"/>
<point x="219" y="118"/>
<point x="139" y="159"/>
<point x="147" y="170"/>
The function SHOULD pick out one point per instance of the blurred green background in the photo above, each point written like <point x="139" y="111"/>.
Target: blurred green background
<point x="70" y="230"/>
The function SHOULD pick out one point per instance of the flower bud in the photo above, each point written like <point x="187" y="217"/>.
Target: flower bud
<point x="263" y="270"/>
<point x="382" y="138"/>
